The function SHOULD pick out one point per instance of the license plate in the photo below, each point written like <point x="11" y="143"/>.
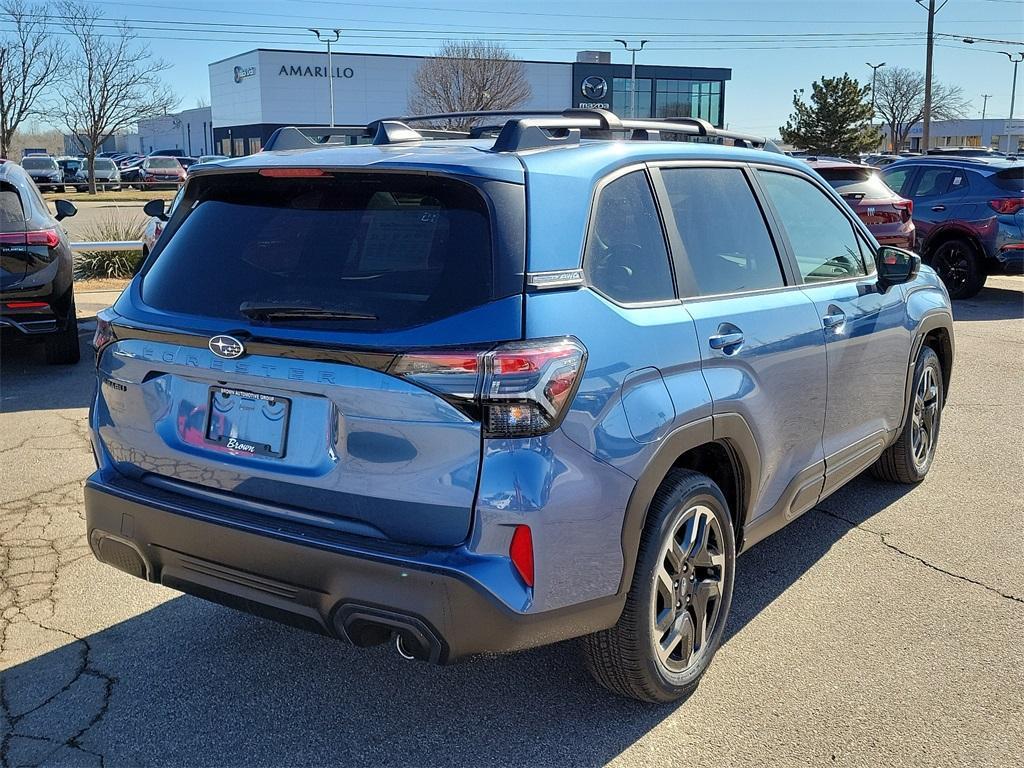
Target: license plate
<point x="248" y="422"/>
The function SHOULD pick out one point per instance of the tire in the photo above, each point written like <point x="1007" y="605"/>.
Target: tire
<point x="624" y="658"/>
<point x="62" y="347"/>
<point x="959" y="265"/>
<point x="904" y="461"/>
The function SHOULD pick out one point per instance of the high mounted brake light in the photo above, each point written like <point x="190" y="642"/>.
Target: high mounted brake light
<point x="521" y="388"/>
<point x="293" y="173"/>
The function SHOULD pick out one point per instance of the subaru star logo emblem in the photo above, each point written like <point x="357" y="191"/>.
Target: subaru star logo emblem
<point x="227" y="346"/>
<point x="594" y="87"/>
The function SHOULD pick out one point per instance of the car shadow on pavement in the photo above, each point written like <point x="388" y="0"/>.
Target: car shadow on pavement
<point x="27" y="383"/>
<point x="193" y="683"/>
<point x="991" y="304"/>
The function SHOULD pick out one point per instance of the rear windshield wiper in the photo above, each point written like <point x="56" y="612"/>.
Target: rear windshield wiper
<point x="270" y="312"/>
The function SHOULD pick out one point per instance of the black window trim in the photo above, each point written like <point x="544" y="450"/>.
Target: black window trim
<point x="859" y="228"/>
<point x="680" y="263"/>
<point x="595" y="196"/>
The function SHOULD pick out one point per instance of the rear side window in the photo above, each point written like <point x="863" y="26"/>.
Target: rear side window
<point x="724" y="235"/>
<point x="12" y="214"/>
<point x="938" y="181"/>
<point x="38" y="164"/>
<point x="626" y="257"/>
<point x="822" y="238"/>
<point x="1012" y="179"/>
<point x="861" y="183"/>
<point x="391" y="251"/>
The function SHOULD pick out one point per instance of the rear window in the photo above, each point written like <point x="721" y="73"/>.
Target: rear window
<point x="1012" y="179"/>
<point x="860" y="182"/>
<point x="38" y="163"/>
<point x="163" y="162"/>
<point x="12" y="215"/>
<point x="399" y="250"/>
<point x="102" y="164"/>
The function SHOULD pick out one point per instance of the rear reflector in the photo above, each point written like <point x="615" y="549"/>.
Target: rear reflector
<point x="26" y="305"/>
<point x="521" y="552"/>
<point x="293" y="173"/>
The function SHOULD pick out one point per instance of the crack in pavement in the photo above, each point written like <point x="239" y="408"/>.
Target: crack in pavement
<point x="46" y="707"/>
<point x="881" y="537"/>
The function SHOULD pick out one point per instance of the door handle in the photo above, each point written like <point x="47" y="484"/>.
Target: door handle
<point x="834" y="319"/>
<point x="723" y="340"/>
<point x="938" y="208"/>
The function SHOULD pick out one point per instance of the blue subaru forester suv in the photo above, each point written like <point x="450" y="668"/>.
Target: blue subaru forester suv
<point x="482" y="394"/>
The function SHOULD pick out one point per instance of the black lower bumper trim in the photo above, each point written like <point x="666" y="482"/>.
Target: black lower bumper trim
<point x="441" y="615"/>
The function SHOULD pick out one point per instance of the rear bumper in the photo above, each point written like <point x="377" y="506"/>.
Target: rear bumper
<point x="1011" y="259"/>
<point x="362" y="596"/>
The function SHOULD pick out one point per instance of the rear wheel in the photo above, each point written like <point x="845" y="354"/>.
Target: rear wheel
<point x="910" y="457"/>
<point x="677" y="606"/>
<point x="62" y="347"/>
<point x="959" y="266"/>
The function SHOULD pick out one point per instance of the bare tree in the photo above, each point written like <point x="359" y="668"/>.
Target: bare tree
<point x="467" y="76"/>
<point x="31" y="59"/>
<point x="111" y="84"/>
<point x="899" y="101"/>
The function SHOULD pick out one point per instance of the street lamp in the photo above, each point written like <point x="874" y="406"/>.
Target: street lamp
<point x="322" y="37"/>
<point x="632" y="73"/>
<point x="984" y="103"/>
<point x="874" y="73"/>
<point x="1016" y="59"/>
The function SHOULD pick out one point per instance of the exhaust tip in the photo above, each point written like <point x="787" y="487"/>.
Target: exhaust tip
<point x="400" y="647"/>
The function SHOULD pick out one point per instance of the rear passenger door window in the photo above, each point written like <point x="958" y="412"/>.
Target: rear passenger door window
<point x="727" y="248"/>
<point x="935" y="182"/>
<point x="821" y="237"/>
<point x="626" y="257"/>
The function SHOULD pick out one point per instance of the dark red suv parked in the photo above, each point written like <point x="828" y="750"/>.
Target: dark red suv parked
<point x="887" y="215"/>
<point x="969" y="213"/>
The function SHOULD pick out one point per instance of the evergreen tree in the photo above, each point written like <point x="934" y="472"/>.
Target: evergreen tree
<point x="837" y="121"/>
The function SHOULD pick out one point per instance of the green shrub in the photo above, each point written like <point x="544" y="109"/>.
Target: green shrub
<point x="110" y="263"/>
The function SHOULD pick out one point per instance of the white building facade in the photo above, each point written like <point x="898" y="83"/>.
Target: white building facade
<point x="992" y="132"/>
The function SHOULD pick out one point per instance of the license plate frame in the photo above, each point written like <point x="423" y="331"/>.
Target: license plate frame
<point x="231" y="408"/>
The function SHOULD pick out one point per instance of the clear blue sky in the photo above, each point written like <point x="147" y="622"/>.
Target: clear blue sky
<point x="772" y="46"/>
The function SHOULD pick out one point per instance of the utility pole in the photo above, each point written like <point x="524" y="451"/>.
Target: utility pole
<point x="1016" y="59"/>
<point x="926" y="117"/>
<point x="874" y="74"/>
<point x="632" y="74"/>
<point x="984" y="104"/>
<point x="322" y="37"/>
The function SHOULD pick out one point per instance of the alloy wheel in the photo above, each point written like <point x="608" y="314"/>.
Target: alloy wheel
<point x="925" y="417"/>
<point x="688" y="590"/>
<point x="953" y="263"/>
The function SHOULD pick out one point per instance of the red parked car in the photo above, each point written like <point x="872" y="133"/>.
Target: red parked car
<point x="889" y="216"/>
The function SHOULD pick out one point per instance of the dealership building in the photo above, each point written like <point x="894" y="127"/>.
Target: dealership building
<point x="255" y="93"/>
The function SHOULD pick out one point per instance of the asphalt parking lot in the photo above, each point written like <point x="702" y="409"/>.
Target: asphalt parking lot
<point x="885" y="627"/>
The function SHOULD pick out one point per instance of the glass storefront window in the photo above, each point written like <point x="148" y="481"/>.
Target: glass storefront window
<point x="239" y="150"/>
<point x="255" y="145"/>
<point x="689" y="98"/>
<point x="620" y="96"/>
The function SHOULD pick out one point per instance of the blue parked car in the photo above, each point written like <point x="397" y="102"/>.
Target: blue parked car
<point x="478" y="395"/>
<point x="969" y="215"/>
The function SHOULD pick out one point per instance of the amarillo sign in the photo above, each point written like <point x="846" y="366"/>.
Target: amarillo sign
<point x="296" y="71"/>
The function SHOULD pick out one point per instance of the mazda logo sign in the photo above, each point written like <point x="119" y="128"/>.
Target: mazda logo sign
<point x="227" y="346"/>
<point x="594" y="87"/>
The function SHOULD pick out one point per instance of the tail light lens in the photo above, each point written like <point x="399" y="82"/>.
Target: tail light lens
<point x="906" y="209"/>
<point x="104" y="334"/>
<point x="47" y="237"/>
<point x="519" y="389"/>
<point x="1008" y="205"/>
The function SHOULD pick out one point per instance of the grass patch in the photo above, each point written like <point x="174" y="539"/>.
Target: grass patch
<point x="110" y="264"/>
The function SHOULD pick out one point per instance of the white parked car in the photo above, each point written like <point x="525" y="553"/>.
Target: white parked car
<point x="155" y="225"/>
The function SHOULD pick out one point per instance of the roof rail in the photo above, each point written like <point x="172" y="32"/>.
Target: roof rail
<point x="522" y="130"/>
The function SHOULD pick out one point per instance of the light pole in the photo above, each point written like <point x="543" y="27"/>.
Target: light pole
<point x="322" y="37"/>
<point x="632" y="73"/>
<point x="1016" y="59"/>
<point x="984" y="103"/>
<point x="874" y="73"/>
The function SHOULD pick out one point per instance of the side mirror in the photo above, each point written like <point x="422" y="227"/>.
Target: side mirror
<point x="65" y="209"/>
<point x="155" y="208"/>
<point x="897" y="266"/>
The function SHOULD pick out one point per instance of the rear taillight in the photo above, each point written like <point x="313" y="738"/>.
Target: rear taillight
<point x="104" y="334"/>
<point x="1007" y="205"/>
<point x="47" y="237"/>
<point x="906" y="209"/>
<point x="519" y="389"/>
<point x="158" y="230"/>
